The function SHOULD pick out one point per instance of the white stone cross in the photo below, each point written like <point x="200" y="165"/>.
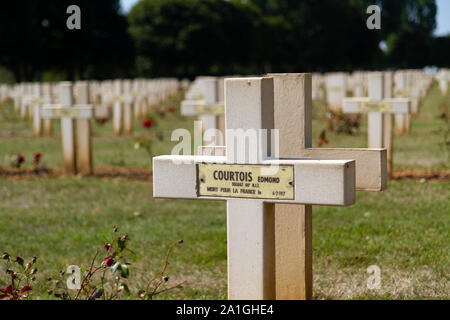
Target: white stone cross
<point x="122" y="100"/>
<point x="443" y="78"/>
<point x="139" y="98"/>
<point x="74" y="147"/>
<point x="336" y="90"/>
<point x="293" y="233"/>
<point x="357" y="83"/>
<point x="37" y="102"/>
<point x="26" y="101"/>
<point x="251" y="182"/>
<point x="128" y="102"/>
<point x="117" y="107"/>
<point x="19" y="92"/>
<point x="412" y="84"/>
<point x="376" y="106"/>
<point x="210" y="109"/>
<point x="40" y="96"/>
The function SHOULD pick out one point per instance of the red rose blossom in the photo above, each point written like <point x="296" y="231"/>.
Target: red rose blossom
<point x="25" y="289"/>
<point x="109" y="261"/>
<point x="37" y="158"/>
<point x="147" y="123"/>
<point x="20" y="159"/>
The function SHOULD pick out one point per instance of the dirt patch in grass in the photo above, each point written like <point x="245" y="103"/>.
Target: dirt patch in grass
<point x="99" y="172"/>
<point x="144" y="174"/>
<point x="421" y="175"/>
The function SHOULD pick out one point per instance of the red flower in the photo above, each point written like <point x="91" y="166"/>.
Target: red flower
<point x="25" y="289"/>
<point x="4" y="293"/>
<point x="102" y="121"/>
<point x="37" y="158"/>
<point x="20" y="159"/>
<point x="147" y="123"/>
<point x="109" y="261"/>
<point x="170" y="109"/>
<point x="106" y="246"/>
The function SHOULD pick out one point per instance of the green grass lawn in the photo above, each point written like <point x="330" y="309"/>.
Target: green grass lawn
<point x="404" y="230"/>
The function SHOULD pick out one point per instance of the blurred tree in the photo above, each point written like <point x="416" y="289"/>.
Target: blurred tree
<point x="320" y="35"/>
<point x="35" y="39"/>
<point x="440" y="52"/>
<point x="407" y="28"/>
<point x="190" y="37"/>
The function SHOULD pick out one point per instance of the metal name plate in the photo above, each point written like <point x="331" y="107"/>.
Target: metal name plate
<point x="216" y="109"/>
<point x="373" y="106"/>
<point x="245" y="181"/>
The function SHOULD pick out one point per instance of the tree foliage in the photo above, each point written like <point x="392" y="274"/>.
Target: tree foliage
<point x="186" y="38"/>
<point x="191" y="37"/>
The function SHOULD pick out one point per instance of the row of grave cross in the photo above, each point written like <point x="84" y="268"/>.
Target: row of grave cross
<point x="125" y="99"/>
<point x="412" y="84"/>
<point x="269" y="213"/>
<point x="202" y="100"/>
<point x="76" y="117"/>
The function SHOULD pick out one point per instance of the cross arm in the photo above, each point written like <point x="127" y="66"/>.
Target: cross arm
<point x="364" y="105"/>
<point x="326" y="182"/>
<point x="199" y="107"/>
<point x="82" y="111"/>
<point x="102" y="112"/>
<point x="370" y="163"/>
<point x="124" y="98"/>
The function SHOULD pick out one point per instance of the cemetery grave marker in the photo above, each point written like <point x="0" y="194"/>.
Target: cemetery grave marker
<point x="442" y="78"/>
<point x="25" y="101"/>
<point x="139" y="98"/>
<point x="358" y="83"/>
<point x="210" y="110"/>
<point x="19" y="93"/>
<point x="318" y="86"/>
<point x="41" y="93"/>
<point x="71" y="143"/>
<point x="37" y="102"/>
<point x="117" y="99"/>
<point x="293" y="234"/>
<point x="47" y="90"/>
<point x="251" y="226"/>
<point x="127" y="107"/>
<point x="376" y="106"/>
<point x="83" y="133"/>
<point x="336" y="90"/>
<point x="412" y="84"/>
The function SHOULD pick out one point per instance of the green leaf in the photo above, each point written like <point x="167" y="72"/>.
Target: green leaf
<point x="124" y="271"/>
<point x="127" y="249"/>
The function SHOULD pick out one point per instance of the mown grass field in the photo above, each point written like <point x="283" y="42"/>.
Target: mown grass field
<point x="404" y="230"/>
